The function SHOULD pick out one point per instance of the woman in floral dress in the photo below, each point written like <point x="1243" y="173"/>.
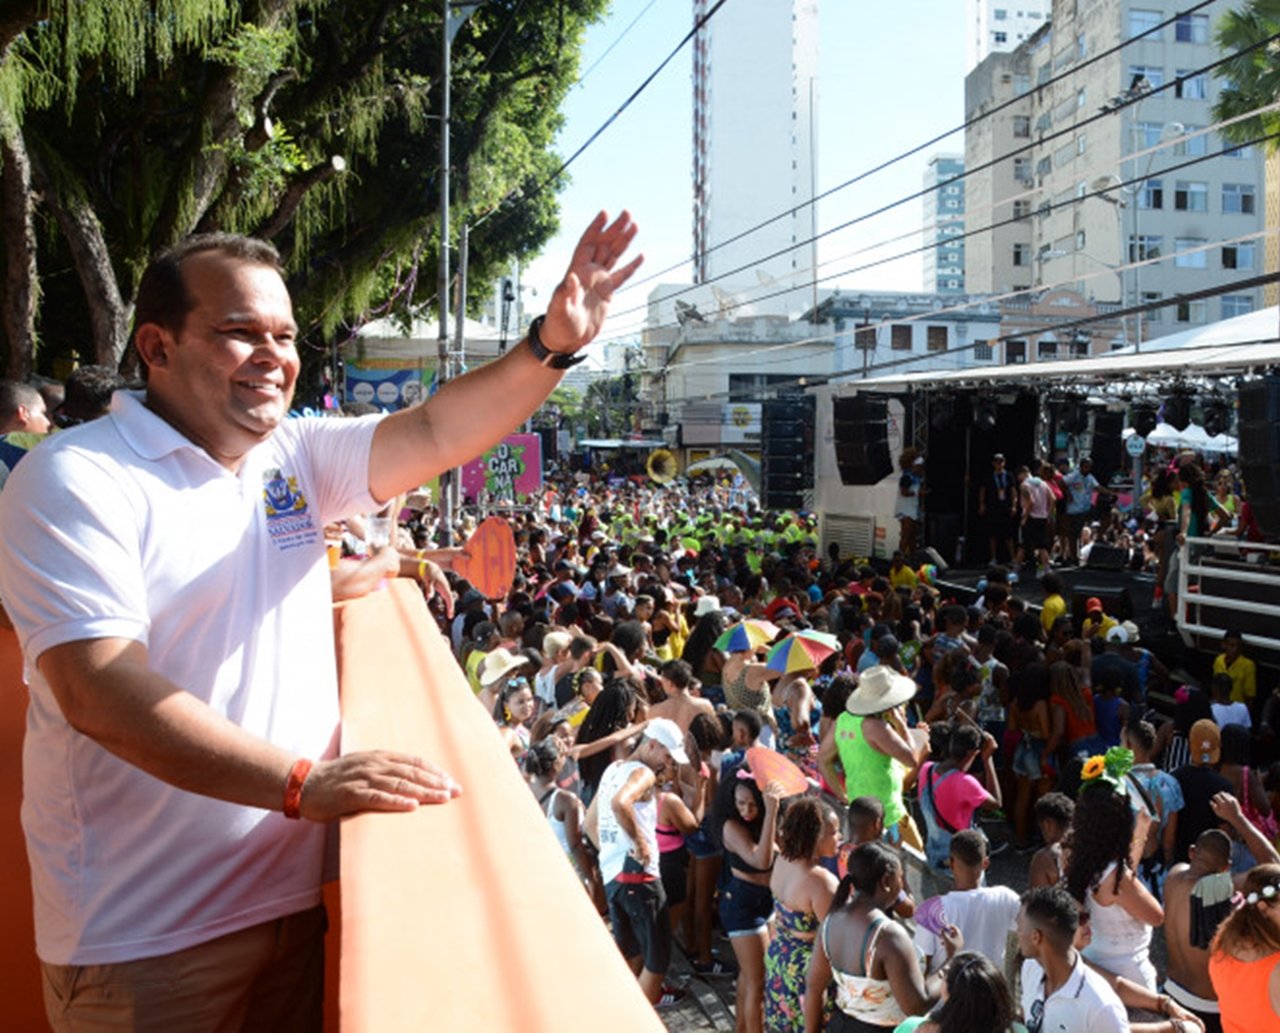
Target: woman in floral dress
<point x="802" y="892"/>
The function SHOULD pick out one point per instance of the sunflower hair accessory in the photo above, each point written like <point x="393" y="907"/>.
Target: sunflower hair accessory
<point x="1111" y="768"/>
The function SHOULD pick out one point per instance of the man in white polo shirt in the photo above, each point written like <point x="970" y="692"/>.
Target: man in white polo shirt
<point x="1060" y="993"/>
<point x="165" y="570"/>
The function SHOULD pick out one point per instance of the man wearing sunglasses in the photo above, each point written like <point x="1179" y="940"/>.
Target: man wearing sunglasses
<point x="1060" y="993"/>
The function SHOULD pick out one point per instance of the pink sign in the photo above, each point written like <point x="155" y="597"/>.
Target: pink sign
<point x="513" y="467"/>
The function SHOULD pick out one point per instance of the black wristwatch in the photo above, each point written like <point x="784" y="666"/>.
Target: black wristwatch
<point x="550" y="359"/>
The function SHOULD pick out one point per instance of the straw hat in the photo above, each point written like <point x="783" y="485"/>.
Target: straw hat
<point x="880" y="688"/>
<point x="497" y="665"/>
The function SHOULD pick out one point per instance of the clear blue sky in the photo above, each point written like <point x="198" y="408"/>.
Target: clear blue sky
<point x="891" y="76"/>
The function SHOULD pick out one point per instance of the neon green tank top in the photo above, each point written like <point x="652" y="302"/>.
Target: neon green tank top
<point x="867" y="771"/>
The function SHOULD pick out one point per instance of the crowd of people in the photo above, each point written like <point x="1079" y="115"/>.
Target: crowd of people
<point x="725" y="728"/>
<point x="641" y="662"/>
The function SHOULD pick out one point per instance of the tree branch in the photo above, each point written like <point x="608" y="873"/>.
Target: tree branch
<point x="17" y="223"/>
<point x="295" y="191"/>
<point x="108" y="314"/>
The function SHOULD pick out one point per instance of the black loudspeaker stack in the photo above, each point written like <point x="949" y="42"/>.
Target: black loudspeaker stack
<point x="861" y="435"/>
<point x="1106" y="451"/>
<point x="1259" y="427"/>
<point x="786" y="451"/>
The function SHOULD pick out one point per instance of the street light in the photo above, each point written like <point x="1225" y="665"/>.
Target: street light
<point x="454" y="17"/>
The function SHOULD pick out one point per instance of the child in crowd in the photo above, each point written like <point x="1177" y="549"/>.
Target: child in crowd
<point x="1053" y="813"/>
<point x="865" y="820"/>
<point x="985" y="915"/>
<point x="1225" y="712"/>
<point x="1242" y="671"/>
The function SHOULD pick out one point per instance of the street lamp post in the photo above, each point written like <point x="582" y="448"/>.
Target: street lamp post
<point x="454" y="16"/>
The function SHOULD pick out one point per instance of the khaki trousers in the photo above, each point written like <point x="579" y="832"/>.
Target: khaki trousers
<point x="268" y="978"/>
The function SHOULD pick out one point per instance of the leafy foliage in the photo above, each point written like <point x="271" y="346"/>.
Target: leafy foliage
<point x="310" y="121"/>
<point x="1253" y="79"/>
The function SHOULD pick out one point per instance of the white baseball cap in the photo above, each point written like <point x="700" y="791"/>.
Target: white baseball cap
<point x="666" y="732"/>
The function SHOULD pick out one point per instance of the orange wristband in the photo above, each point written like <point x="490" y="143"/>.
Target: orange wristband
<point x="293" y="788"/>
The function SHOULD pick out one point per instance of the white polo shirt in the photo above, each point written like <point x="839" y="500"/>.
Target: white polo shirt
<point x="1085" y="1003"/>
<point x="123" y="528"/>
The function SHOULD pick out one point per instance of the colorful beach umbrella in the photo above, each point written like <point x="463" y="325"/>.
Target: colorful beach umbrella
<point x="748" y="635"/>
<point x="801" y="651"/>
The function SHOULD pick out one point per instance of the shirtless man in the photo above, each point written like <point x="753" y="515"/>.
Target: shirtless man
<point x="1188" y="981"/>
<point x="681" y="706"/>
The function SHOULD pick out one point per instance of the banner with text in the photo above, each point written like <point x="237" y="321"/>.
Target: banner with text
<point x="512" y="467"/>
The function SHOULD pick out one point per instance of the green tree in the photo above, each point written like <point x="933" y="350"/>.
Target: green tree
<point x="1251" y="80"/>
<point x="309" y="122"/>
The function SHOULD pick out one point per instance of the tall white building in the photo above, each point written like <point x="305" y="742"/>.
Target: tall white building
<point x="755" y="69"/>
<point x="943" y="230"/>
<point x="994" y="26"/>
<point x="1142" y="205"/>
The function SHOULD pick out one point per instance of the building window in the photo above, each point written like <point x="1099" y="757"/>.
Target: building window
<point x="1144" y="246"/>
<point x="1147" y="134"/>
<point x="1154" y="74"/>
<point x="982" y="351"/>
<point x="1153" y="315"/>
<point x="1191" y="146"/>
<point x="1021" y="126"/>
<point x="1047" y="347"/>
<point x="1044" y="166"/>
<point x="1080" y="240"/>
<point x="1082" y="46"/>
<point x="1236" y="305"/>
<point x="1079" y="344"/>
<point x="1192" y="259"/>
<point x="1021" y="254"/>
<point x="999" y="14"/>
<point x="1238" y="198"/>
<point x="1191" y="87"/>
<point x="1080" y="144"/>
<point x="1239" y="256"/>
<point x="1082" y="97"/>
<point x="1021" y="209"/>
<point x="1191" y="197"/>
<point x="1151" y="194"/>
<point x="1245" y="151"/>
<point x="1000" y="37"/>
<point x="1022" y="170"/>
<point x="936" y="338"/>
<point x="1015" y="352"/>
<point x="1021" y="83"/>
<point x="1191" y="28"/>
<point x="900" y="337"/>
<point x="1141" y="21"/>
<point x="1192" y="312"/>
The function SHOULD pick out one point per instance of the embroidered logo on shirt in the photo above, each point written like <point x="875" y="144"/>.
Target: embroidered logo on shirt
<point x="289" y="520"/>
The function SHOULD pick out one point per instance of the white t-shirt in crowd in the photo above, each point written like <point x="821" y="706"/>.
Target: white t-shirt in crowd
<point x="1085" y="1003"/>
<point x="1231" y="714"/>
<point x="985" y="916"/>
<point x="615" y="844"/>
<point x="123" y="528"/>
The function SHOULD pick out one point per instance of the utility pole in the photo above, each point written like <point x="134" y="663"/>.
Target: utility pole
<point x="450" y="24"/>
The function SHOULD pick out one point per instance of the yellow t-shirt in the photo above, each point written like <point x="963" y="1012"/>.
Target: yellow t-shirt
<point x="1100" y="629"/>
<point x="1244" y="677"/>
<point x="1054" y="607"/>
<point x="903" y="578"/>
<point x="474" y="659"/>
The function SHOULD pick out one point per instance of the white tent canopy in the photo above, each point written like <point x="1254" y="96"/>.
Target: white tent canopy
<point x="1193" y="437"/>
<point x="384" y="339"/>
